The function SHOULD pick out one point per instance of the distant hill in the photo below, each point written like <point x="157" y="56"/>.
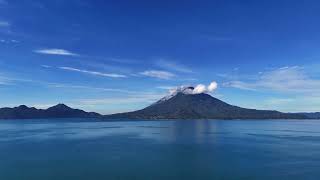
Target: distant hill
<point x="58" y="111"/>
<point x="315" y="115"/>
<point x="179" y="105"/>
<point x="200" y="106"/>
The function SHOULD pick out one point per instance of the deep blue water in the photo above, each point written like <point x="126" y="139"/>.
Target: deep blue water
<point x="204" y="149"/>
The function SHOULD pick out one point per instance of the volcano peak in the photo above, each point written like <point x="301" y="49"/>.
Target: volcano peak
<point x="182" y="105"/>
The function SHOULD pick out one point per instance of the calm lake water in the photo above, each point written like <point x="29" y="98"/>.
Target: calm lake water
<point x="204" y="149"/>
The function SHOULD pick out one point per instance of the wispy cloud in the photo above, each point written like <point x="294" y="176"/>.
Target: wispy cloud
<point x="170" y="65"/>
<point x="14" y="81"/>
<point x="105" y="66"/>
<point x="158" y="74"/>
<point x="286" y="79"/>
<point x="303" y="103"/>
<point x="241" y="85"/>
<point x="112" y="59"/>
<point x="61" y="52"/>
<point x="279" y="101"/>
<point x="111" y="75"/>
<point x="167" y="87"/>
<point x="142" y="97"/>
<point x="4" y="82"/>
<point x="4" y="24"/>
<point x="46" y="66"/>
<point x="69" y="86"/>
<point x="9" y="41"/>
<point x="122" y="60"/>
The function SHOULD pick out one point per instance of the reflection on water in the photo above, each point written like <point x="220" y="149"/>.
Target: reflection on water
<point x="192" y="131"/>
<point x="203" y="149"/>
<point x="196" y="131"/>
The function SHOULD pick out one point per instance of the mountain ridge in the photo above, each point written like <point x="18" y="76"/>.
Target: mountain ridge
<point x="57" y="111"/>
<point x="179" y="105"/>
<point x="201" y="106"/>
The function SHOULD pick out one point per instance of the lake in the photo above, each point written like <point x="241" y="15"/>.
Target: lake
<point x="86" y="149"/>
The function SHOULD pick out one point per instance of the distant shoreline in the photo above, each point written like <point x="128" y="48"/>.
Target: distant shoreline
<point x="179" y="107"/>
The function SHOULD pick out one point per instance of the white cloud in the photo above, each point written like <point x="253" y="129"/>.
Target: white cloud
<point x="212" y="86"/>
<point x="240" y="85"/>
<point x="122" y="60"/>
<point x="295" y="88"/>
<point x="12" y="81"/>
<point x="279" y="101"/>
<point x="4" y="24"/>
<point x="286" y="80"/>
<point x="69" y="86"/>
<point x="5" y="81"/>
<point x="9" y="41"/>
<point x="46" y="66"/>
<point x="200" y="88"/>
<point x="111" y="75"/>
<point x="172" y="66"/>
<point x="61" y="52"/>
<point x="293" y="104"/>
<point x="158" y="74"/>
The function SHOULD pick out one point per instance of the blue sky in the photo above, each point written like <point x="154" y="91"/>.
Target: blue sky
<point x="116" y="56"/>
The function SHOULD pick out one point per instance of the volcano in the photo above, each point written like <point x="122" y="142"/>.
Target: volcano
<point x="183" y="104"/>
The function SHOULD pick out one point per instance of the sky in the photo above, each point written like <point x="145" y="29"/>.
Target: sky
<point x="117" y="56"/>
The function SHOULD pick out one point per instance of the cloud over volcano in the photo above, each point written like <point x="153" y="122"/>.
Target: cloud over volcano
<point x="198" y="89"/>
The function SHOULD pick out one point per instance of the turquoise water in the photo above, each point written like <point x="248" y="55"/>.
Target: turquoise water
<point x="205" y="149"/>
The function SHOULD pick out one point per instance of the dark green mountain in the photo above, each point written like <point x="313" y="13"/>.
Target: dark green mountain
<point x="200" y="106"/>
<point x="58" y="111"/>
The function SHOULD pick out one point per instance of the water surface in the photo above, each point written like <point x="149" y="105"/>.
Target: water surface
<point x="86" y="149"/>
